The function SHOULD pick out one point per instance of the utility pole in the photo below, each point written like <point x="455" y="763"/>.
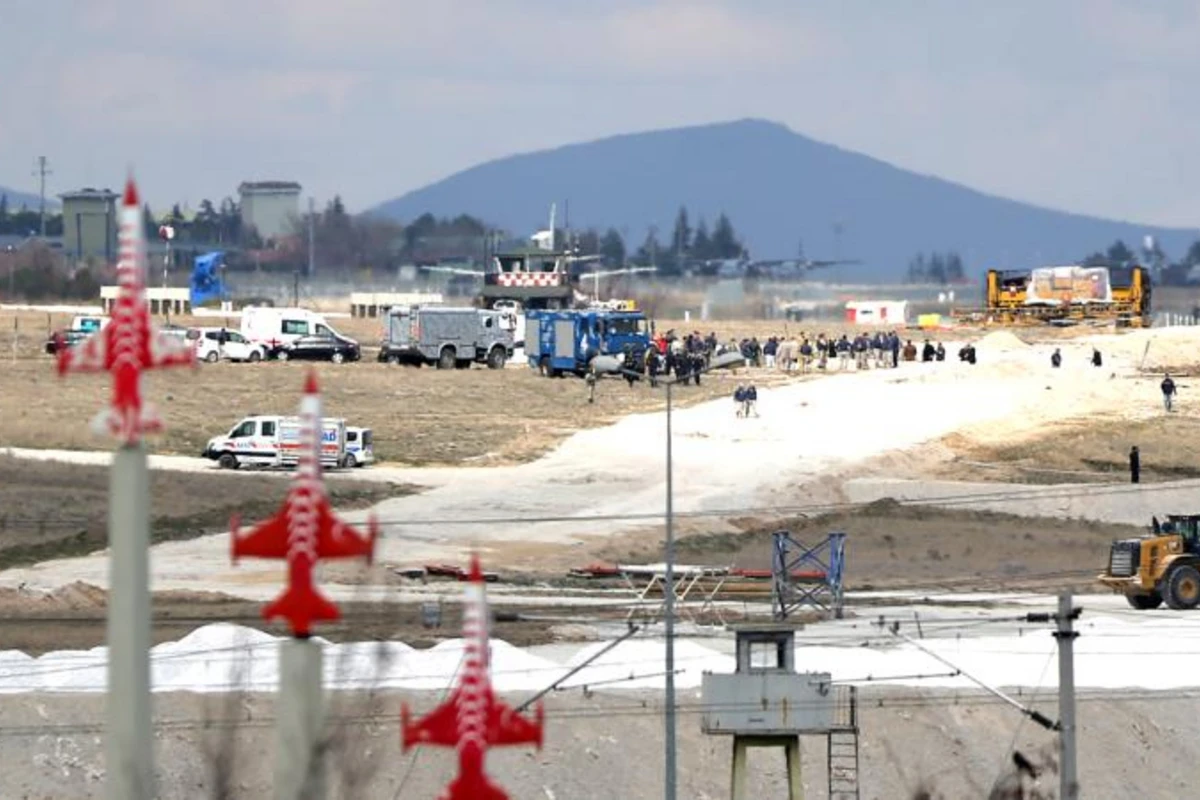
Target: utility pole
<point x="311" y="238"/>
<point x="1066" y="635"/>
<point x="296" y="289"/>
<point x="41" y="172"/>
<point x="669" y="617"/>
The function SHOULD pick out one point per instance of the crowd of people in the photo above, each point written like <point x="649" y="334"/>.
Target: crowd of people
<point x="802" y="353"/>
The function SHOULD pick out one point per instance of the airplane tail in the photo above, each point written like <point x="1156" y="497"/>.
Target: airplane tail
<point x="302" y="606"/>
<point x="472" y="787"/>
<point x="134" y="423"/>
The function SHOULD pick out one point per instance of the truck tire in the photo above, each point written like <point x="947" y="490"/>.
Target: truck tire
<point x="446" y="358"/>
<point x="282" y="355"/>
<point x="393" y="359"/>
<point x="544" y="366"/>
<point x="349" y="462"/>
<point x="496" y="358"/>
<point x="227" y="461"/>
<point x="1145" y="602"/>
<point x="1181" y="587"/>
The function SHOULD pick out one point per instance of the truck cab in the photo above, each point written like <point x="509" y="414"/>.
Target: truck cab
<point x="252" y="442"/>
<point x="558" y="342"/>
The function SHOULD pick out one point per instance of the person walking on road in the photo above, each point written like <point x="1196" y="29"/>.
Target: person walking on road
<point x="1135" y="465"/>
<point x="1168" y="391"/>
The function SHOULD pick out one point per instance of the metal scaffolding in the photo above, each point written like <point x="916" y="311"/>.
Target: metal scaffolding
<point x="807" y="576"/>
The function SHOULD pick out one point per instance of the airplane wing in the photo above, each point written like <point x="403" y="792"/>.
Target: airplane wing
<point x="336" y="539"/>
<point x="506" y="727"/>
<point x="819" y="264"/>
<point x="267" y="539"/>
<point x="438" y="727"/>
<point x="606" y="273"/>
<point x="167" y="350"/>
<point x="455" y="270"/>
<point x="89" y="355"/>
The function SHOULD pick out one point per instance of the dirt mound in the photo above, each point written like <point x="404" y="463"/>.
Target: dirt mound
<point x="1000" y="342"/>
<point x="78" y="596"/>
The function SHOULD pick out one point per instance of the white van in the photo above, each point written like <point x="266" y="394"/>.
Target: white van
<point x="276" y="327"/>
<point x="274" y="441"/>
<point x="360" y="447"/>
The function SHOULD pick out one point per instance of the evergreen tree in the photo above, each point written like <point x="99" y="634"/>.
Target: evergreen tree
<point x="681" y="238"/>
<point x="701" y="242"/>
<point x="612" y="248"/>
<point x="725" y="243"/>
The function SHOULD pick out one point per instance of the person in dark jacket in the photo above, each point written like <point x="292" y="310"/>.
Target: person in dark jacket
<point x="1135" y="465"/>
<point x="1097" y="361"/>
<point x="1056" y="358"/>
<point x="894" y="346"/>
<point x="739" y="399"/>
<point x="928" y="352"/>
<point x="940" y="353"/>
<point x="1168" y="391"/>
<point x="751" y="400"/>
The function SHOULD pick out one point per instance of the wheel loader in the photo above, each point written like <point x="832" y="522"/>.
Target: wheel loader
<point x="1161" y="567"/>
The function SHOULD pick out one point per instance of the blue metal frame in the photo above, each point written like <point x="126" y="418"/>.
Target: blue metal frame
<point x="790" y="555"/>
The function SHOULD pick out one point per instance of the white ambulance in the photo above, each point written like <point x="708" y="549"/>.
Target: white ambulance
<point x="274" y="441"/>
<point x="278" y="327"/>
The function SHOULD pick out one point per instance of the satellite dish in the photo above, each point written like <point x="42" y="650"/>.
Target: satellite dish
<point x="166" y="232"/>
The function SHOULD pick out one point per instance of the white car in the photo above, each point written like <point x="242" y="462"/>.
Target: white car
<point x="214" y="344"/>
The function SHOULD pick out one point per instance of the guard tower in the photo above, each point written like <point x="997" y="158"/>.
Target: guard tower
<point x="766" y="703"/>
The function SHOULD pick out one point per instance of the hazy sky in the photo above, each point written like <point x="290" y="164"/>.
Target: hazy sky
<point x="1085" y="105"/>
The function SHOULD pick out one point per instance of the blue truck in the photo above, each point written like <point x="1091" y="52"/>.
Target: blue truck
<point x="565" y="341"/>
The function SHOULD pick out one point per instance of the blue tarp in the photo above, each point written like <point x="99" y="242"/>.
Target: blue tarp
<point x="206" y="279"/>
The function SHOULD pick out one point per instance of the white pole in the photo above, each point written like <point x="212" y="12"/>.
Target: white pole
<point x="299" y="720"/>
<point x="129" y="739"/>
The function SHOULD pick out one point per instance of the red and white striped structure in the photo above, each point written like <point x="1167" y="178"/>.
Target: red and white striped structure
<point x="129" y="344"/>
<point x="304" y="531"/>
<point x="472" y="719"/>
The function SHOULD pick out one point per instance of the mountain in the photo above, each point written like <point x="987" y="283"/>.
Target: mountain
<point x="17" y="199"/>
<point x="779" y="188"/>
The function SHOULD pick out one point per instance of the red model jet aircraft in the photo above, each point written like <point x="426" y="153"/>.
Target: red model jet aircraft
<point x="472" y="719"/>
<point x="129" y="344"/>
<point x="304" y="530"/>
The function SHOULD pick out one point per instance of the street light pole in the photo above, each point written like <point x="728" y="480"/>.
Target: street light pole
<point x="669" y="615"/>
<point x="613" y="365"/>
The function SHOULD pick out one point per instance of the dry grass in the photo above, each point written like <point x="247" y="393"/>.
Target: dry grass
<point x="420" y="416"/>
<point x="52" y="510"/>
<point x="1083" y="450"/>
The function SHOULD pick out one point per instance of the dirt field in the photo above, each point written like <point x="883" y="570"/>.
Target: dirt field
<point x="420" y="417"/>
<point x="52" y="510"/>
<point x="914" y="745"/>
<point x="890" y="546"/>
<point x="1084" y="450"/>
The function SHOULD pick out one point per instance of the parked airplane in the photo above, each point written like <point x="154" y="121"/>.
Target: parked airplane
<point x="304" y="530"/>
<point x="473" y="720"/>
<point x="129" y="344"/>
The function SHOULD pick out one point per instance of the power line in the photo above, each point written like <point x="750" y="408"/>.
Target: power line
<point x="1066" y="492"/>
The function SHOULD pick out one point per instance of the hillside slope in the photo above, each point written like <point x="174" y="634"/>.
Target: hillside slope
<point x="779" y="188"/>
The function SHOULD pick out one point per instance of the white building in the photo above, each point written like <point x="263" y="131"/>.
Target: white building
<point x="270" y="207"/>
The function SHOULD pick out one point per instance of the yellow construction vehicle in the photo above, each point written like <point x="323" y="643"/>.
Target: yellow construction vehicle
<point x="1164" y="566"/>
